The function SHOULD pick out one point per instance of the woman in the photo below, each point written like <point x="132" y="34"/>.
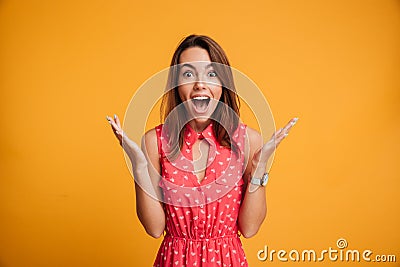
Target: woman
<point x="201" y="173"/>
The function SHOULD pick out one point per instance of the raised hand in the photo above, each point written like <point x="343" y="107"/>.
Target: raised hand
<point x="134" y="152"/>
<point x="261" y="157"/>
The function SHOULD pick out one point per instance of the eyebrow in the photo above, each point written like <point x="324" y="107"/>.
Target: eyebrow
<point x="192" y="67"/>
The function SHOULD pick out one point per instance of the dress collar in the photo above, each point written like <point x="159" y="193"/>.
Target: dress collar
<point x="191" y="135"/>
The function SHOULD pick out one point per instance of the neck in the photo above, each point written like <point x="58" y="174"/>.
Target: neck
<point x="199" y="125"/>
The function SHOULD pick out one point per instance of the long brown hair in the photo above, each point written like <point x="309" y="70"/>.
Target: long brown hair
<point x="226" y="113"/>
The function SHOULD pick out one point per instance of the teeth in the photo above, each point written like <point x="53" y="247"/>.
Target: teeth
<point x="200" y="97"/>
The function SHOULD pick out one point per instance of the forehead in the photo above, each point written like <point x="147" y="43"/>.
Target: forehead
<point x="193" y="54"/>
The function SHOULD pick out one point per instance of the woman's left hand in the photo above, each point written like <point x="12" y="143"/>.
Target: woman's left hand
<point x="261" y="157"/>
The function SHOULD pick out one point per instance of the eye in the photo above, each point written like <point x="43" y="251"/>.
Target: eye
<point x="187" y="74"/>
<point x="212" y="74"/>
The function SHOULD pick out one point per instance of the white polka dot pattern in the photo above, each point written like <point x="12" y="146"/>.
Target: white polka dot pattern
<point x="201" y="218"/>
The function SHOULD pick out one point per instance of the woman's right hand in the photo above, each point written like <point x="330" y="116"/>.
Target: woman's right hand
<point x="134" y="152"/>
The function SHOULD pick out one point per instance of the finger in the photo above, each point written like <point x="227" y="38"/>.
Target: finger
<point x="114" y="126"/>
<point x="276" y="133"/>
<point x="117" y="120"/>
<point x="120" y="135"/>
<point x="279" y="140"/>
<point x="290" y="124"/>
<point x="108" y="118"/>
<point x="280" y="137"/>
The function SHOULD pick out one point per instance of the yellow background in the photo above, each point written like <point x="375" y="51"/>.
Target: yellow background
<point x="66" y="195"/>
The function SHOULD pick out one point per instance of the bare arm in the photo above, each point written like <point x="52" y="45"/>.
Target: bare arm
<point x="254" y="207"/>
<point x="148" y="207"/>
<point x="146" y="171"/>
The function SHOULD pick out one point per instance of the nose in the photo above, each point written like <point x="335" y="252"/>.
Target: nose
<point x="198" y="85"/>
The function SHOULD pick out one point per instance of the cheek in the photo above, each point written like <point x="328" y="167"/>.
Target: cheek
<point x="183" y="92"/>
<point x="217" y="92"/>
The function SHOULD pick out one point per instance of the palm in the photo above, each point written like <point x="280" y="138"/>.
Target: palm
<point x="134" y="152"/>
<point x="263" y="154"/>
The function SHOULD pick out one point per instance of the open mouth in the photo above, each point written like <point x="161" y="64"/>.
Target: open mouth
<point x="201" y="103"/>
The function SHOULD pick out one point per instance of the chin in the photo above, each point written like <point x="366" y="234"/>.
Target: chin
<point x="202" y="119"/>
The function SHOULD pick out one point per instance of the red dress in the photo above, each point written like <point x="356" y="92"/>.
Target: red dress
<point x="201" y="218"/>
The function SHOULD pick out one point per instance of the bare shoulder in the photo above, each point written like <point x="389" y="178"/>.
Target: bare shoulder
<point x="149" y="142"/>
<point x="254" y="142"/>
<point x="150" y="135"/>
<point x="254" y="138"/>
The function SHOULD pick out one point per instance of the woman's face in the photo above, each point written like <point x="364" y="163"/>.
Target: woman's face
<point x="199" y="87"/>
